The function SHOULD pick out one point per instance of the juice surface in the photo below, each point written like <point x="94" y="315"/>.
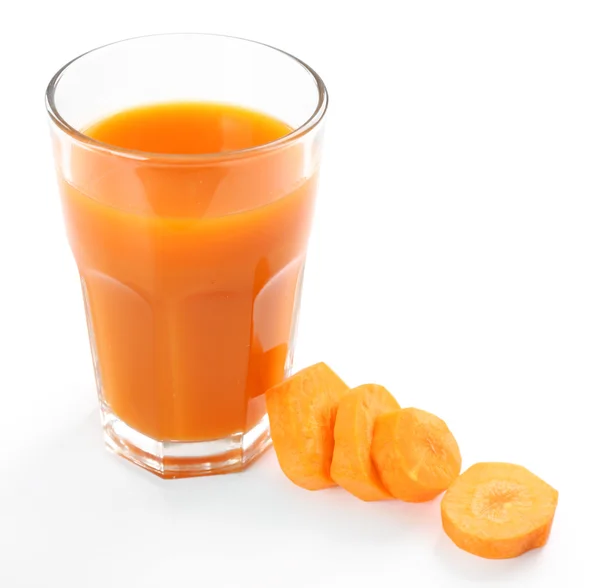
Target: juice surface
<point x="191" y="272"/>
<point x="188" y="128"/>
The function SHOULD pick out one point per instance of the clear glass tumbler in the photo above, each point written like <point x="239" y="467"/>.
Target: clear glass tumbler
<point x="191" y="264"/>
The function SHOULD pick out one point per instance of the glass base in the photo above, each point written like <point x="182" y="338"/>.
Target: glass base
<point x="172" y="459"/>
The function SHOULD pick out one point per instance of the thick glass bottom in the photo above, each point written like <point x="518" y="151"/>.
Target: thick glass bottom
<point x="172" y="459"/>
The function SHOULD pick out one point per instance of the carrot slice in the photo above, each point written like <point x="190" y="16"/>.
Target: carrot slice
<point x="415" y="454"/>
<point x="498" y="510"/>
<point x="302" y="411"/>
<point x="352" y="467"/>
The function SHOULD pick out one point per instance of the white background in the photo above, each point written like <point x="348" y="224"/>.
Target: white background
<point x="455" y="259"/>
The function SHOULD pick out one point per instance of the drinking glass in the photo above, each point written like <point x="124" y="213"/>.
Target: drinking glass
<point x="191" y="265"/>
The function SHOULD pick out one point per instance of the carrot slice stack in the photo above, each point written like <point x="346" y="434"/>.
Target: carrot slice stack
<point x="498" y="510"/>
<point x="415" y="454"/>
<point x="352" y="467"/>
<point x="302" y="412"/>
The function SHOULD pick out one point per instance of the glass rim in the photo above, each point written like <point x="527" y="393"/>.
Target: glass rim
<point x="313" y="120"/>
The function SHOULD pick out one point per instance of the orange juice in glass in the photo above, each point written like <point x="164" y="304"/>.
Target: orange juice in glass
<point x="187" y="168"/>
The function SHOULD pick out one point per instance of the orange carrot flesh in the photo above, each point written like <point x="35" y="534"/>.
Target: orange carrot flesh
<point x="498" y="510"/>
<point x="302" y="412"/>
<point x="351" y="466"/>
<point x="415" y="454"/>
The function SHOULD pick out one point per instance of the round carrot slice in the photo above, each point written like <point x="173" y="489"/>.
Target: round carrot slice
<point x="351" y="466"/>
<point x="498" y="510"/>
<point x="302" y="411"/>
<point x="415" y="454"/>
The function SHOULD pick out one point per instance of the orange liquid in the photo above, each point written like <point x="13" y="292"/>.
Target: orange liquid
<point x="191" y="269"/>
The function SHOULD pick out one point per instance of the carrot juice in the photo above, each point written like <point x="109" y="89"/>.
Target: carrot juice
<point x="187" y="166"/>
<point x="190" y="272"/>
